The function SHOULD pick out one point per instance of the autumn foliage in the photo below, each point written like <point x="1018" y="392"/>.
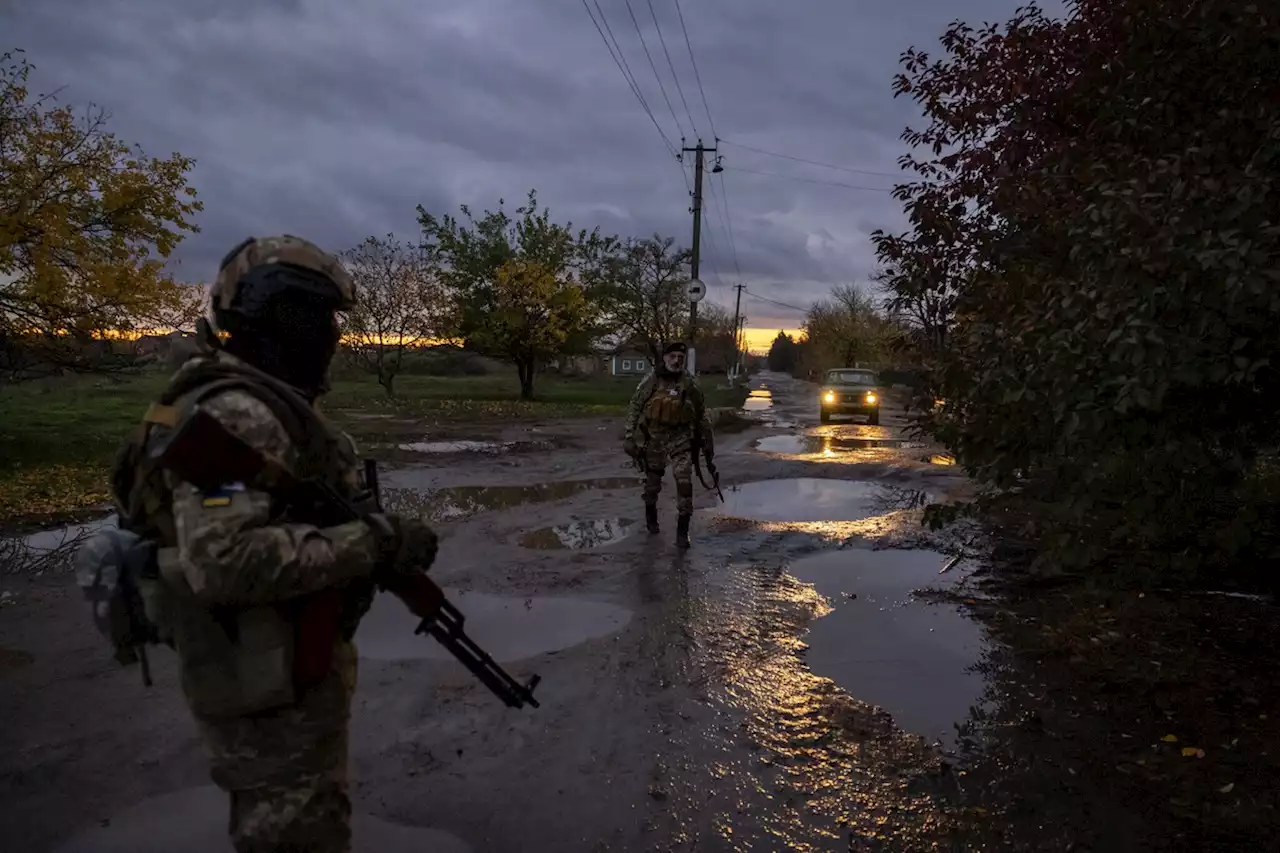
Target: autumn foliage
<point x="1097" y="199"/>
<point x="504" y="275"/>
<point x="86" y="223"/>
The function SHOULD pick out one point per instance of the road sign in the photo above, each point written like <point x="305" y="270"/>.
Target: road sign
<point x="695" y="290"/>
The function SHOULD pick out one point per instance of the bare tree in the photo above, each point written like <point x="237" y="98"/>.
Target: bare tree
<point x="647" y="302"/>
<point x="922" y="304"/>
<point x="847" y="328"/>
<point x="399" y="303"/>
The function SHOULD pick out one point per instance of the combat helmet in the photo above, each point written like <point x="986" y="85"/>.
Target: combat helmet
<point x="259" y="269"/>
<point x="274" y="305"/>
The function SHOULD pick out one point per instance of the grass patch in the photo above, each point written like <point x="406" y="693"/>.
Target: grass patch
<point x="57" y="438"/>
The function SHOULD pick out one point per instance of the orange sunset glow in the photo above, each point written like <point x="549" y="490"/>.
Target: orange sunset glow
<point x="759" y="340"/>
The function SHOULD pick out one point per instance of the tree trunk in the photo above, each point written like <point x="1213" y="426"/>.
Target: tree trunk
<point x="387" y="380"/>
<point x="525" y="369"/>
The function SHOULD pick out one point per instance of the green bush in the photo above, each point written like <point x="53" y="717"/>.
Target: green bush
<point x="1101" y="203"/>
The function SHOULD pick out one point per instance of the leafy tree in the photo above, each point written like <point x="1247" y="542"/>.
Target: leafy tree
<point x="534" y="312"/>
<point x="715" y="341"/>
<point x="400" y="305"/>
<point x="86" y="221"/>
<point x="1109" y="240"/>
<point x="645" y="293"/>
<point x="782" y="353"/>
<point x="469" y="255"/>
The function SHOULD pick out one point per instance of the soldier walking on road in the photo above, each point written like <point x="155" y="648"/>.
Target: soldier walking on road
<point x="261" y="596"/>
<point x="669" y="411"/>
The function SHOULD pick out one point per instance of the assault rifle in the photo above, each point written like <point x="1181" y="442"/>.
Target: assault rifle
<point x="697" y="450"/>
<point x="203" y="453"/>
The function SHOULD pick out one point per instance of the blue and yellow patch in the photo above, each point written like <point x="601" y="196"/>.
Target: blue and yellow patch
<point x="220" y="496"/>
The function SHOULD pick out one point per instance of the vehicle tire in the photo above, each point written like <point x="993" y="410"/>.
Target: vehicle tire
<point x="874" y="418"/>
<point x="824" y="417"/>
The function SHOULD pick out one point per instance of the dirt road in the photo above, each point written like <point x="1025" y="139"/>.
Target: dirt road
<point x="775" y="688"/>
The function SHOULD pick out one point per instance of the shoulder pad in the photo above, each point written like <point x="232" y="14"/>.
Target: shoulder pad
<point x="250" y="419"/>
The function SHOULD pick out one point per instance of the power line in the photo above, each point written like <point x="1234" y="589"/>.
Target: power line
<point x="722" y="210"/>
<point x="775" y="302"/>
<point x="672" y="66"/>
<point x="696" y="75"/>
<point x="809" y="180"/>
<point x="656" y="76"/>
<point x="811" y="162"/>
<point x="620" y="60"/>
<point x="724" y="198"/>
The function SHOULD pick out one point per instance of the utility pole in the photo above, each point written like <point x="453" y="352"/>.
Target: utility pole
<point x="694" y="262"/>
<point x="737" y="352"/>
<point x="742" y="335"/>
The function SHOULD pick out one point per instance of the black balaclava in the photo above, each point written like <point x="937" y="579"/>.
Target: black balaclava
<point x="282" y="321"/>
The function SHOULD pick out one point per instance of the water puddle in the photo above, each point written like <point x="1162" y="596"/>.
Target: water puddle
<point x="885" y="646"/>
<point x="826" y="445"/>
<point x="758" y="400"/>
<point x="813" y="499"/>
<point x="464" y="446"/>
<point x="508" y="628"/>
<point x="47" y="550"/>
<point x="577" y="535"/>
<point x="456" y="502"/>
<point x="195" y="821"/>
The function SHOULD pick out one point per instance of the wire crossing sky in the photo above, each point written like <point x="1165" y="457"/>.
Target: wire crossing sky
<point x="334" y="120"/>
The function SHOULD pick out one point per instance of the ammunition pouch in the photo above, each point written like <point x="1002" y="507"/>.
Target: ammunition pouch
<point x="668" y="410"/>
<point x="234" y="662"/>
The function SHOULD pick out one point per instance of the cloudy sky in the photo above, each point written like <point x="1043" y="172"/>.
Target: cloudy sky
<point x="333" y="119"/>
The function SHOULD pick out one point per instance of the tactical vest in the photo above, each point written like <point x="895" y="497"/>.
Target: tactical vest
<point x="237" y="661"/>
<point x="669" y="407"/>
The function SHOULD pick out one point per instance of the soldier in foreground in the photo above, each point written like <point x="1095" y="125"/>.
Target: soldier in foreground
<point x="263" y="593"/>
<point x="669" y="411"/>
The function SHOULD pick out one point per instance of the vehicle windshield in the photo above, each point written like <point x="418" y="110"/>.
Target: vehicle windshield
<point x="851" y="377"/>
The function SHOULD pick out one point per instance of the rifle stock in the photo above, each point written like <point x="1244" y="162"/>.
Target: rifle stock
<point x="203" y="453"/>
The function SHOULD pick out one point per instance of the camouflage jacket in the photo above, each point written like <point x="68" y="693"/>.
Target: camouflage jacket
<point x="652" y="384"/>
<point x="232" y="544"/>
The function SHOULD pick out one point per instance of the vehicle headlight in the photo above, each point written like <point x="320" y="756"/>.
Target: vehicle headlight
<point x="829" y="397"/>
<point x="871" y="398"/>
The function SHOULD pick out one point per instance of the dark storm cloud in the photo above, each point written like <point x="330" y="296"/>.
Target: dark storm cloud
<point x="335" y="119"/>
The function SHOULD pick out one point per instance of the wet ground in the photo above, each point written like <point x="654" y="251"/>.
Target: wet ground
<point x="808" y="677"/>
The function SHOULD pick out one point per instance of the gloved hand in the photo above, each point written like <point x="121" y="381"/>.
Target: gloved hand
<point x="630" y="448"/>
<point x="408" y="545"/>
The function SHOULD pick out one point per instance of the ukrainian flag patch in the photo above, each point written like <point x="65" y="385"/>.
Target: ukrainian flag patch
<point x="220" y="496"/>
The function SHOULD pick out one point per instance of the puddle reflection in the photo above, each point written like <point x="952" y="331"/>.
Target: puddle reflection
<point x="464" y="446"/>
<point x="814" y="499"/>
<point x="758" y="400"/>
<point x="507" y="627"/>
<point x="885" y="646"/>
<point x="457" y="502"/>
<point x="577" y="535"/>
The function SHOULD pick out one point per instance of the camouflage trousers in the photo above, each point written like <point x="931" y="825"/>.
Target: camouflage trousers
<point x="674" y="447"/>
<point x="286" y="769"/>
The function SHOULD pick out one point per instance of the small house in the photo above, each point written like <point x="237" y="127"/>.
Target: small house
<point x="629" y="362"/>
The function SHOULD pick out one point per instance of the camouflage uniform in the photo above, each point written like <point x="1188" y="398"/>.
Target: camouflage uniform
<point x="665" y="410"/>
<point x="284" y="768"/>
<point x="262" y="598"/>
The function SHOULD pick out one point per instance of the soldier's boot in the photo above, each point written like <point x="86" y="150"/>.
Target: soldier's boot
<point x="682" y="531"/>
<point x="651" y="517"/>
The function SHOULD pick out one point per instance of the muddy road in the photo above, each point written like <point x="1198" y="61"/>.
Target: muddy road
<point x="778" y="687"/>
